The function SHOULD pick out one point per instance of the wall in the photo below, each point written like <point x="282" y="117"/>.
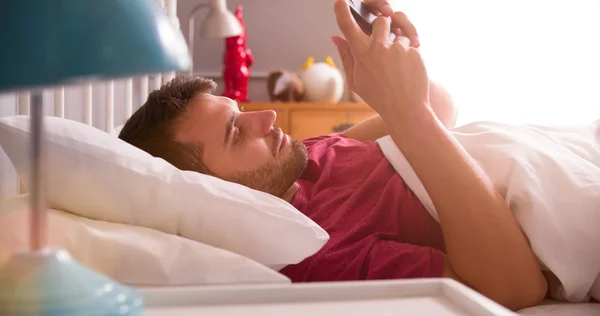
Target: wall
<point x="281" y="34"/>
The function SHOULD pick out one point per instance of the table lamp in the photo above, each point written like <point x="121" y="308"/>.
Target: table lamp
<point x="57" y="42"/>
<point x="219" y="23"/>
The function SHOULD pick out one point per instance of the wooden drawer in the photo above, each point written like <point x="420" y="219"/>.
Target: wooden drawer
<point x="305" y="124"/>
<point x="281" y="120"/>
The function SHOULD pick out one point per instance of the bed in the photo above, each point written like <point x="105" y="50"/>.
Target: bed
<point x="156" y="252"/>
<point x="554" y="308"/>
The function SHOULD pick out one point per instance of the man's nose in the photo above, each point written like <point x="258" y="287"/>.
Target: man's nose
<point x="260" y="122"/>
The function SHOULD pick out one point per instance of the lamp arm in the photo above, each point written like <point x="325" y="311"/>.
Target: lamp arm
<point x="37" y="176"/>
<point x="191" y="31"/>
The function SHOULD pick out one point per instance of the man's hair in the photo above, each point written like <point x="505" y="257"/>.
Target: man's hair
<point x="152" y="127"/>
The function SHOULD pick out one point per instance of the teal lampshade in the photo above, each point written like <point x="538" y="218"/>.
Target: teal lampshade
<point x="52" y="42"/>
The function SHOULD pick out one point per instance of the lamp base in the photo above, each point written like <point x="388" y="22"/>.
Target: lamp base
<point x="50" y="282"/>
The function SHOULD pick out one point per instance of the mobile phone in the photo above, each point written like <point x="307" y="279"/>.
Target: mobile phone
<point x="364" y="17"/>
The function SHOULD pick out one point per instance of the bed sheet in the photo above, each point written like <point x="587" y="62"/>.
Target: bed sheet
<point x="555" y="308"/>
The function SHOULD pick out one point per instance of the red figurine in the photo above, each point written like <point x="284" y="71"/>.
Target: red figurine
<point x="237" y="61"/>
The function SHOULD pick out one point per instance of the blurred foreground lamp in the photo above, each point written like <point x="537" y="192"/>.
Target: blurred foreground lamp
<point x="219" y="23"/>
<point x="57" y="42"/>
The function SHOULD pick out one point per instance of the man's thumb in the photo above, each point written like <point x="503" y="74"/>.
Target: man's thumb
<point x="345" y="55"/>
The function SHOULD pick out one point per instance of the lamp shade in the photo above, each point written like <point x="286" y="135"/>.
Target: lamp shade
<point x="52" y="42"/>
<point x="220" y="22"/>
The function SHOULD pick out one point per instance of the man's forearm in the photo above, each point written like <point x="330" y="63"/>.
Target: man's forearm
<point x="485" y="245"/>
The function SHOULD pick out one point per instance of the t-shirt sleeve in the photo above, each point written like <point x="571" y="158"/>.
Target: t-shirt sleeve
<point x="389" y="259"/>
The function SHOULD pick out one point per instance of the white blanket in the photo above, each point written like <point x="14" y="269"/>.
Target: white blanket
<point x="550" y="177"/>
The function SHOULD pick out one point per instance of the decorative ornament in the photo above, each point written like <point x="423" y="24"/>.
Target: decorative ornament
<point x="237" y="60"/>
<point x="323" y="82"/>
<point x="314" y="82"/>
<point x="284" y="86"/>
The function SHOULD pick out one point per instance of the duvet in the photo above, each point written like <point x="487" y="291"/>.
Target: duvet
<point x="550" y="178"/>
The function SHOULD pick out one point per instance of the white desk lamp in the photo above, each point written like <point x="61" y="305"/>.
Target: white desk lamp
<point x="219" y="23"/>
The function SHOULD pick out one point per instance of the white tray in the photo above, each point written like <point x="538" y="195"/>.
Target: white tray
<point x="397" y="297"/>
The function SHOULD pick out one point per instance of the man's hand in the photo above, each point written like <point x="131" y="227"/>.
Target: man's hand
<point x="486" y="248"/>
<point x="390" y="76"/>
<point x="440" y="99"/>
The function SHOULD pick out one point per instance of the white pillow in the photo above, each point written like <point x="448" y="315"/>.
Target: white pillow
<point x="117" y="130"/>
<point x="132" y="255"/>
<point x="96" y="175"/>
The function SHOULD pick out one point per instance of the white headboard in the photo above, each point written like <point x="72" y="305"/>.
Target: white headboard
<point x="104" y="105"/>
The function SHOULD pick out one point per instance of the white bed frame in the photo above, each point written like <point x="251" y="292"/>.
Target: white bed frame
<point x="88" y="100"/>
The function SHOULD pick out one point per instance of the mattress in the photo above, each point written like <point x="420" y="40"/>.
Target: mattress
<point x="554" y="308"/>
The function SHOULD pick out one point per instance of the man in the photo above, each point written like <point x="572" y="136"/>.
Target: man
<point x="378" y="228"/>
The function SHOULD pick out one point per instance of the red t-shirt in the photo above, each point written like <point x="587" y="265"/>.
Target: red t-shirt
<point x="378" y="228"/>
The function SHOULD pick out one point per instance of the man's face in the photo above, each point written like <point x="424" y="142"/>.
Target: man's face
<point x="243" y="147"/>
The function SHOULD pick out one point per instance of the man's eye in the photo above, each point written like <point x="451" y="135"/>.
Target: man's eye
<point x="238" y="136"/>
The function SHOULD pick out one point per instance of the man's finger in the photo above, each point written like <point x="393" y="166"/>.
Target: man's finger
<point x="400" y="20"/>
<point x="346" y="23"/>
<point x="402" y="40"/>
<point x="381" y="29"/>
<point x="345" y="56"/>
<point x="382" y="6"/>
<point x="397" y="31"/>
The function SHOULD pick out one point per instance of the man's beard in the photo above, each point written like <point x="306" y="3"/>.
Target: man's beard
<point x="276" y="177"/>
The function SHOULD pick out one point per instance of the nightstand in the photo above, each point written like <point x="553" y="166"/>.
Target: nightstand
<point x="396" y="297"/>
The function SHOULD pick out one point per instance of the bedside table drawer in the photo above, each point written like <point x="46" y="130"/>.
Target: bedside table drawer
<point x="305" y="124"/>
